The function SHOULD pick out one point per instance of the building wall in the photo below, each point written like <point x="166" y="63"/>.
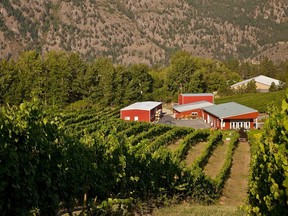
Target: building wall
<point x="188" y="113"/>
<point x="259" y="86"/>
<point x="237" y="124"/>
<point x="153" y="112"/>
<point x="245" y="120"/>
<point x="143" y="115"/>
<point x="262" y="86"/>
<point x="131" y="115"/>
<point x="185" y="99"/>
<point x="253" y="115"/>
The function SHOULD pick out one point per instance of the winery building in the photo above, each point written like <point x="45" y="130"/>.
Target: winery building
<point x="186" y="98"/>
<point x="262" y="83"/>
<point x="191" y="110"/>
<point x="147" y="111"/>
<point x="230" y="116"/>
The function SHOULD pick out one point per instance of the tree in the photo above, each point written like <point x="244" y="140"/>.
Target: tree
<point x="122" y="79"/>
<point x="105" y="71"/>
<point x="197" y="83"/>
<point x="267" y="68"/>
<point x="181" y="68"/>
<point x="251" y="87"/>
<point x="247" y="71"/>
<point x="272" y="87"/>
<point x="214" y="81"/>
<point x="233" y="65"/>
<point x="77" y="71"/>
<point x="28" y="78"/>
<point x="140" y="85"/>
<point x="7" y="78"/>
<point x="57" y="77"/>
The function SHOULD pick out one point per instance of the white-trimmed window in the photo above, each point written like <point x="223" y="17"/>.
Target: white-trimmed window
<point x="136" y="118"/>
<point x="127" y="118"/>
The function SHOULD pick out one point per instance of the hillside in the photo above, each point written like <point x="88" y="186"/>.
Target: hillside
<point x="146" y="31"/>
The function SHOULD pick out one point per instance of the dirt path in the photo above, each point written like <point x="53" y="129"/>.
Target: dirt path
<point x="235" y="189"/>
<point x="216" y="161"/>
<point x="194" y="152"/>
<point x="175" y="145"/>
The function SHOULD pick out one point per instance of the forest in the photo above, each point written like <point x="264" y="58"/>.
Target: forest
<point x="61" y="78"/>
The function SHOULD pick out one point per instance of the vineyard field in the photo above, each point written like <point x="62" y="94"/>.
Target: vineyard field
<point x="107" y="165"/>
<point x="190" y="149"/>
<point x="56" y="162"/>
<point x="259" y="101"/>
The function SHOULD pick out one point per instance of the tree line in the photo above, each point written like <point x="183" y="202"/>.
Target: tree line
<point x="60" y="78"/>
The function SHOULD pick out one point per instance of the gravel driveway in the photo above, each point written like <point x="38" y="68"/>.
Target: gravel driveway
<point x="194" y="123"/>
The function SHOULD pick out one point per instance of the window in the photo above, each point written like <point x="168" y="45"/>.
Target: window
<point x="136" y="118"/>
<point x="237" y="124"/>
<point x="127" y="118"/>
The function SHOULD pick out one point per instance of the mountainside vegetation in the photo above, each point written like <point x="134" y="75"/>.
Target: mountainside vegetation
<point x="143" y="31"/>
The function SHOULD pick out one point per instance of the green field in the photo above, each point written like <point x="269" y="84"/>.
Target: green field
<point x="258" y="101"/>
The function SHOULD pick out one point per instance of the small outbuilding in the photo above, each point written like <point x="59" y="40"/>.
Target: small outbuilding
<point x="187" y="98"/>
<point x="262" y="82"/>
<point x="230" y="116"/>
<point x="147" y="111"/>
<point x="191" y="110"/>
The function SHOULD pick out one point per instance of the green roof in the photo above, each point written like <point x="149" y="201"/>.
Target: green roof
<point x="229" y="109"/>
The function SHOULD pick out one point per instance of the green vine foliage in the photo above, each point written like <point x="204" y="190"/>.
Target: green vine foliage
<point x="39" y="166"/>
<point x="268" y="193"/>
<point x="44" y="169"/>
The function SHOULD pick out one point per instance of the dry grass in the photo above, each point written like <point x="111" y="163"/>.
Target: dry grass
<point x="216" y="161"/>
<point x="235" y="189"/>
<point x="186" y="209"/>
<point x="175" y="145"/>
<point x="194" y="152"/>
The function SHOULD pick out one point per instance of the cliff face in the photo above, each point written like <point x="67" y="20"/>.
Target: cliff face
<point x="146" y="31"/>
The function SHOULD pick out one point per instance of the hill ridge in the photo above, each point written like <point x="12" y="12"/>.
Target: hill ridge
<point x="145" y="31"/>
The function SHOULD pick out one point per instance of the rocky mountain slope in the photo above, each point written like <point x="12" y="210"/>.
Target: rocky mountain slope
<point x="147" y="31"/>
